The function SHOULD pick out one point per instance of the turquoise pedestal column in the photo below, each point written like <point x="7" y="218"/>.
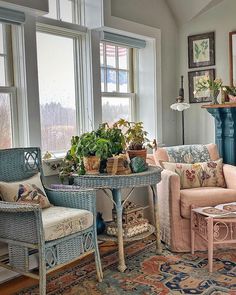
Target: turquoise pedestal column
<point x="225" y="131"/>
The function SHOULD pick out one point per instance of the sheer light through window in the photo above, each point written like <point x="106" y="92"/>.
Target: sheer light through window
<point x="56" y="71"/>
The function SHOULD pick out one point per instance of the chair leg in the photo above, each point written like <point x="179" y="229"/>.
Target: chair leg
<point x="42" y="273"/>
<point x="98" y="260"/>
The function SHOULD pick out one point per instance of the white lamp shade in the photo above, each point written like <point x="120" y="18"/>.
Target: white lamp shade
<point x="180" y="106"/>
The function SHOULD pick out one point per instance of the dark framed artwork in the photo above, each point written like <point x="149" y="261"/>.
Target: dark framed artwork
<point x="201" y="50"/>
<point x="193" y="78"/>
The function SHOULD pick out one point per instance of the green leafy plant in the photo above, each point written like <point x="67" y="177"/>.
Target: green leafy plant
<point x="90" y="144"/>
<point x="104" y="142"/>
<point x="71" y="163"/>
<point x="114" y="135"/>
<point x="135" y="135"/>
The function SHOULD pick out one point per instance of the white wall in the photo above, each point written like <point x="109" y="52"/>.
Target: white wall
<point x="40" y="5"/>
<point x="221" y="19"/>
<point x="155" y="13"/>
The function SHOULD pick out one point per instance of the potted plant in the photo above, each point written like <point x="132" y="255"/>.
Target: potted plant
<point x="213" y="86"/>
<point x="91" y="149"/>
<point x="114" y="135"/>
<point x="71" y="163"/>
<point x="136" y="138"/>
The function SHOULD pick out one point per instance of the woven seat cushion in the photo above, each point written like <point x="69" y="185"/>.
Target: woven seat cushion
<point x="59" y="222"/>
<point x="203" y="197"/>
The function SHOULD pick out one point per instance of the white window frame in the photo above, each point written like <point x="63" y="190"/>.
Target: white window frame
<point x="117" y="94"/>
<point x="79" y="34"/>
<point x="11" y="89"/>
<point x="77" y="11"/>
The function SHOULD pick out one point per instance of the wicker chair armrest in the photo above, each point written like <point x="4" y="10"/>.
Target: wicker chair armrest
<point x="21" y="222"/>
<point x="13" y="207"/>
<point x="80" y="199"/>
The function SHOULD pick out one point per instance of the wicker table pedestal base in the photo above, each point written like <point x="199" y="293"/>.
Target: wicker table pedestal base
<point x="115" y="183"/>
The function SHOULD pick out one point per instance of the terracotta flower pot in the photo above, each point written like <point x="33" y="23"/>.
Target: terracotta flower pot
<point x="92" y="164"/>
<point x="137" y="153"/>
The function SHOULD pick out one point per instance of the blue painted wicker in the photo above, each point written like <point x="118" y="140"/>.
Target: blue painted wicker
<point x="21" y="225"/>
<point x="150" y="177"/>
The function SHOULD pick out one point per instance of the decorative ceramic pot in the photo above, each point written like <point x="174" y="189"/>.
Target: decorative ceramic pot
<point x="91" y="164"/>
<point x="137" y="153"/>
<point x="213" y="96"/>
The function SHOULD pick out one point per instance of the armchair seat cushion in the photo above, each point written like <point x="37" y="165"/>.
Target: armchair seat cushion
<point x="59" y="222"/>
<point x="204" y="196"/>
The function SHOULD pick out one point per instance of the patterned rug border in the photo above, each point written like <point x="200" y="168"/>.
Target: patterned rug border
<point x="90" y="259"/>
<point x="147" y="274"/>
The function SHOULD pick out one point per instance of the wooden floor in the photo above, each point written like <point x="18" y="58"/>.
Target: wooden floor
<point x="16" y="285"/>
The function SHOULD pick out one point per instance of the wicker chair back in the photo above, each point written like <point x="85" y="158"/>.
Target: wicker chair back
<point x="19" y="163"/>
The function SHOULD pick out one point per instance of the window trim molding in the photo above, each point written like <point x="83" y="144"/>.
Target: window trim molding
<point x="64" y="26"/>
<point x="153" y="38"/>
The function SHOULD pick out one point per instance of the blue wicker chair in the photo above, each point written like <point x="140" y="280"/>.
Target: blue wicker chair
<point x="21" y="224"/>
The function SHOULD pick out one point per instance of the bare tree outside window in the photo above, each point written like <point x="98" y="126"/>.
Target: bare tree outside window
<point x="56" y="71"/>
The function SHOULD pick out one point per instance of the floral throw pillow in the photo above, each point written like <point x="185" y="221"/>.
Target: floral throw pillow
<point x="27" y="191"/>
<point x="205" y="174"/>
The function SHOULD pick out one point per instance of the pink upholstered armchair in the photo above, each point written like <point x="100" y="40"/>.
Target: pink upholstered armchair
<point x="175" y="203"/>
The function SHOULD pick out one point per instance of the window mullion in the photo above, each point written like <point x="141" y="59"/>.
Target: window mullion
<point x="75" y="12"/>
<point x="58" y="10"/>
<point x="78" y="89"/>
<point x="117" y="69"/>
<point x="105" y="67"/>
<point x="8" y="57"/>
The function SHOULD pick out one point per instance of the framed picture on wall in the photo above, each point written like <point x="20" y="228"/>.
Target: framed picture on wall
<point x="201" y="50"/>
<point x="193" y="78"/>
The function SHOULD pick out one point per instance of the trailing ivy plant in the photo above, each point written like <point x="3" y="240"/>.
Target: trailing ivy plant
<point x="71" y="163"/>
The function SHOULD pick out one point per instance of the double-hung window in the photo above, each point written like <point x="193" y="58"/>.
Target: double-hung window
<point x="65" y="10"/>
<point x="59" y="71"/>
<point x="116" y="82"/>
<point x="8" y="111"/>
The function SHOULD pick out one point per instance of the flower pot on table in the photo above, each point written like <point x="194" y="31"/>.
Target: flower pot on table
<point x="92" y="164"/>
<point x="137" y="153"/>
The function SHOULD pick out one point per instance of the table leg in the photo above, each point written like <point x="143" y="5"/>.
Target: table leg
<point x="192" y="233"/>
<point x="210" y="242"/>
<point x="156" y="219"/>
<point x="116" y="193"/>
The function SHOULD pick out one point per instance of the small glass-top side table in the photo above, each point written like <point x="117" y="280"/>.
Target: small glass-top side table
<point x="115" y="183"/>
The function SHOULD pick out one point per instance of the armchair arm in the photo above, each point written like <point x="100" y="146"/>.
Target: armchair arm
<point x="80" y="199"/>
<point x="21" y="222"/>
<point x="169" y="187"/>
<point x="230" y="176"/>
<point x="13" y="207"/>
<point x="151" y="160"/>
<point x="169" y="204"/>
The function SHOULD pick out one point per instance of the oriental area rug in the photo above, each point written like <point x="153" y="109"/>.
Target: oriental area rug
<point x="147" y="274"/>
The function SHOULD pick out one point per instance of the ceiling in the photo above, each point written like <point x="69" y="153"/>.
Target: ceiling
<point x="186" y="10"/>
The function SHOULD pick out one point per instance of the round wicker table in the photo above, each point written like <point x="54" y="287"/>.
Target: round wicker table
<point x="116" y="183"/>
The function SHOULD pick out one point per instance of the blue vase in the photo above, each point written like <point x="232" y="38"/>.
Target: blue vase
<point x="101" y="225"/>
